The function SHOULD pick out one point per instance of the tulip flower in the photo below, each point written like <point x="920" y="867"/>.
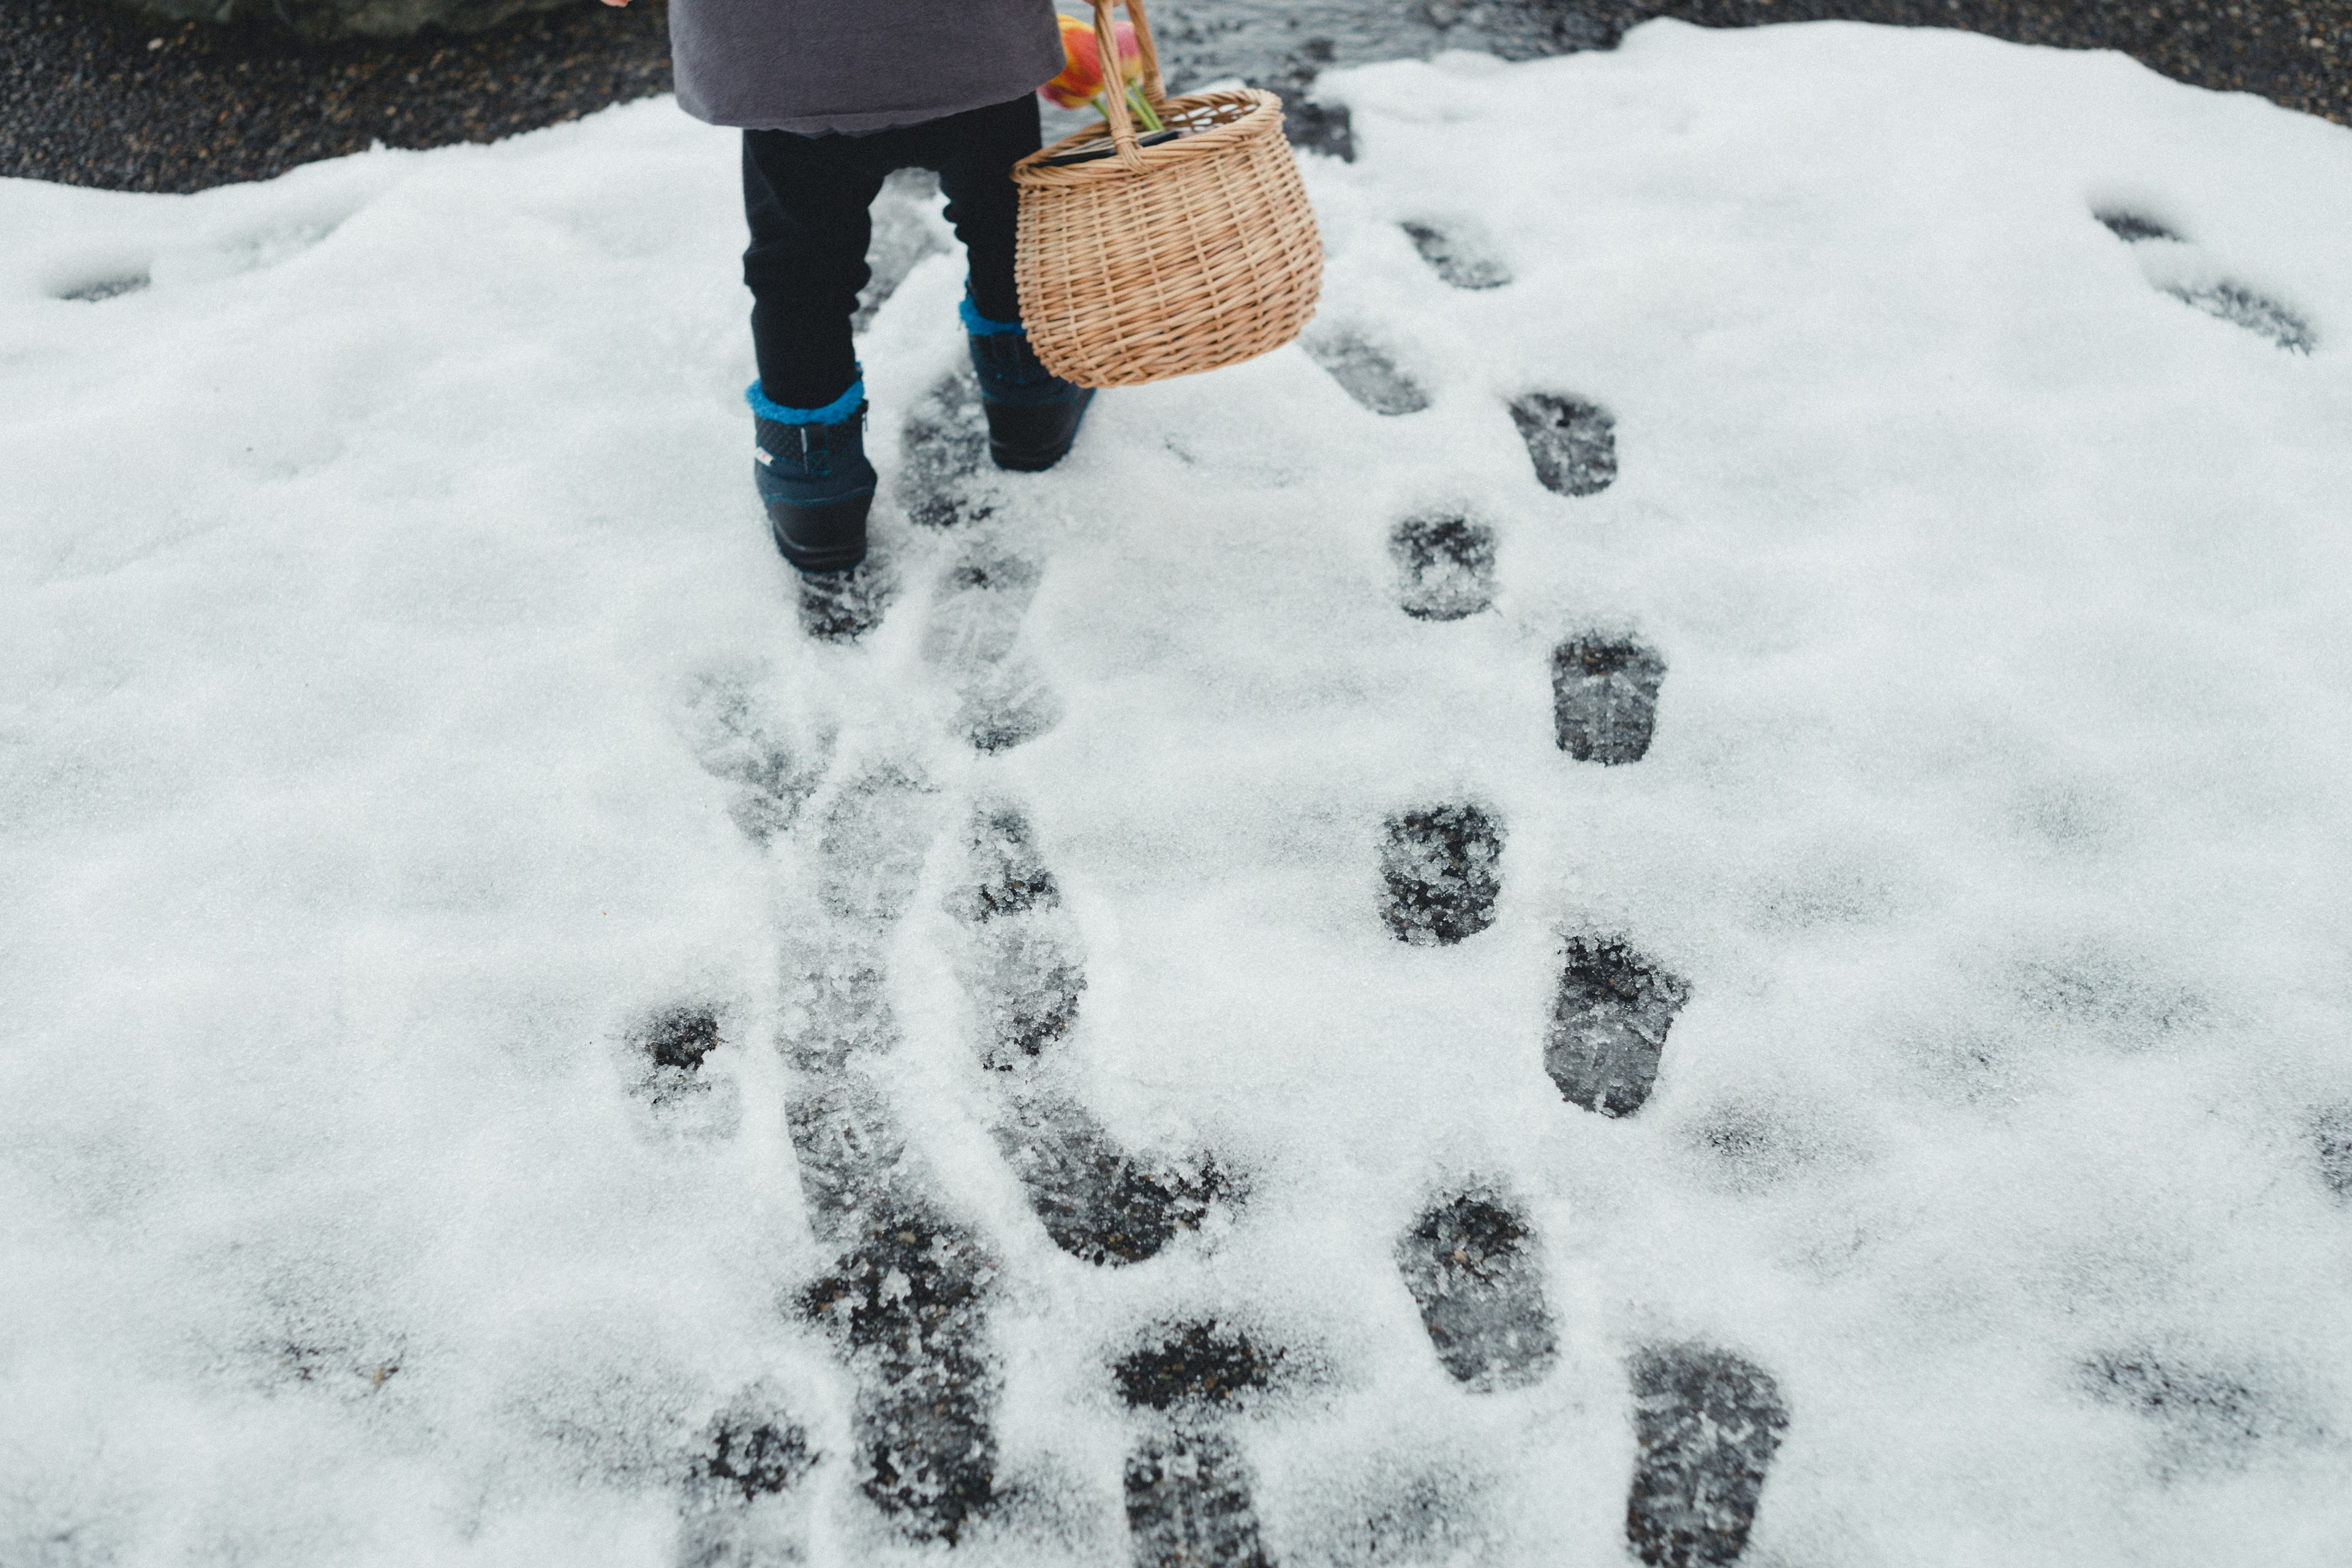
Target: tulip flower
<point x="1081" y="80"/>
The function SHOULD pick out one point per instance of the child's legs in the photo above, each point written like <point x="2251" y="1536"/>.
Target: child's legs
<point x="974" y="154"/>
<point x="806" y="198"/>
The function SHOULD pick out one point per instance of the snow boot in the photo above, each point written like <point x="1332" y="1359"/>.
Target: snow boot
<point x="1032" y="414"/>
<point x="813" y="476"/>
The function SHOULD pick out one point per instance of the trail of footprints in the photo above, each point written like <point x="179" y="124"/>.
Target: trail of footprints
<point x="908" y="1298"/>
<point x="1706" y="1421"/>
<point x="2173" y="264"/>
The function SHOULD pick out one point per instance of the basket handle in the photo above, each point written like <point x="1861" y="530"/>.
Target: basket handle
<point x="1155" y="90"/>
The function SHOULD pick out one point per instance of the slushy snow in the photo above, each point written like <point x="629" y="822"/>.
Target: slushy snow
<point x="449" y="896"/>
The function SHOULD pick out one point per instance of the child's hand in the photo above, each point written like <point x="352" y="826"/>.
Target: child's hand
<point x="616" y="2"/>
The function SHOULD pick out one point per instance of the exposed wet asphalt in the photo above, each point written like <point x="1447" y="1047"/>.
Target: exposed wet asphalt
<point x="92" y="95"/>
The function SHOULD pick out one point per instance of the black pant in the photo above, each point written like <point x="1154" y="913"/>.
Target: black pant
<point x="807" y="198"/>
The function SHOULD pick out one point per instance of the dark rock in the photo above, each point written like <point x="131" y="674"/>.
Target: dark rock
<point x="1457" y="255"/>
<point x="1441" y="868"/>
<point x="1471" y="1267"/>
<point x="1609" y="1023"/>
<point x="1604" y="698"/>
<point x="1197" y="1368"/>
<point x="910" y="1305"/>
<point x="1189" y="1506"/>
<point x="1447" y="565"/>
<point x="1572" y="443"/>
<point x="2241" y="306"/>
<point x="1364" y="370"/>
<point x="1707" y="1423"/>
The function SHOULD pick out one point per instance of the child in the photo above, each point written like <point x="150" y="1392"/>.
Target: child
<point x="833" y="96"/>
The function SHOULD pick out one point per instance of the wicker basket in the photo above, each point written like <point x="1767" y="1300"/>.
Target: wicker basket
<point x="1155" y="261"/>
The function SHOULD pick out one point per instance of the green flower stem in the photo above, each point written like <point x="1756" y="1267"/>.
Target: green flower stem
<point x="1138" y="103"/>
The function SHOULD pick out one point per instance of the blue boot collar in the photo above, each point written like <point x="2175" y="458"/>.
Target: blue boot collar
<point x="834" y="413"/>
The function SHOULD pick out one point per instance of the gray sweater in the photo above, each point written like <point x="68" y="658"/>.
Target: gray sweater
<point x="813" y="66"/>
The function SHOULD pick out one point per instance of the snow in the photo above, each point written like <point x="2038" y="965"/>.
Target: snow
<point x="402" y="712"/>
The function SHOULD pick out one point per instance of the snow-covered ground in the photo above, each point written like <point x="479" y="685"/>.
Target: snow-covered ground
<point x="444" y="879"/>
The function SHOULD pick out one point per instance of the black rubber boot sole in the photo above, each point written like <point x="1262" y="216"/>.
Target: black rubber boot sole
<point x="829" y="536"/>
<point x="1029" y="437"/>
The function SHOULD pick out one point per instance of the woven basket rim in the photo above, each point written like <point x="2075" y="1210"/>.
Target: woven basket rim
<point x="1264" y="118"/>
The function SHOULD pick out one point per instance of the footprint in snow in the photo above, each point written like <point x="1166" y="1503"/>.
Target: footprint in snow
<point x="1189" y="1504"/>
<point x="1604" y="693"/>
<point x="908" y="1300"/>
<point x="1022" y="972"/>
<point x="775" y="772"/>
<point x="909" y="1307"/>
<point x="1459" y="252"/>
<point x="1572" y="442"/>
<point x="1364" y="370"/>
<point x="1003" y="698"/>
<point x="871" y="842"/>
<point x="92" y="291"/>
<point x="743" y="1504"/>
<point x="1189" y="1486"/>
<point x="837" y="1020"/>
<point x="1471" y="1267"/>
<point x="1310" y="127"/>
<point x="2331" y="1140"/>
<point x="669" y="1055"/>
<point x="2204" y="1417"/>
<point x="1020" y="966"/>
<point x="1706" y="1424"/>
<point x="1609" y="1023"/>
<point x="1099" y="1202"/>
<point x="2222" y="298"/>
<point x="943" y="455"/>
<point x="1445" y="567"/>
<point x="2133" y="228"/>
<point x="2241" y="306"/>
<point x="1440" y="867"/>
<point x="843" y="606"/>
